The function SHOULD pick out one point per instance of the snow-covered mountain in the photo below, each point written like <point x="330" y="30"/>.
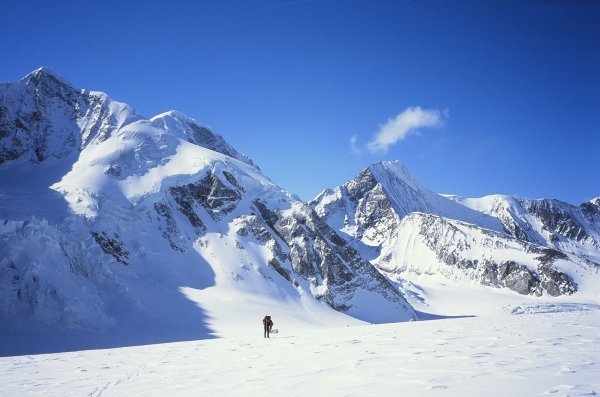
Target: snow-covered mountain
<point x="430" y="244"/>
<point x="147" y="230"/>
<point x="411" y="233"/>
<point x="552" y="223"/>
<point x="43" y="117"/>
<point x="186" y="128"/>
<point x="370" y="206"/>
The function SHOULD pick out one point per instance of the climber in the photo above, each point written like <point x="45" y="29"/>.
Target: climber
<point x="267" y="325"/>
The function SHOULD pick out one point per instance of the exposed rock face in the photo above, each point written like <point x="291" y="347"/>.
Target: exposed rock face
<point x="591" y="210"/>
<point x="168" y="225"/>
<point x="557" y="217"/>
<point x="319" y="255"/>
<point x="112" y="246"/>
<point x="521" y="279"/>
<point x="374" y="214"/>
<point x="555" y="283"/>
<point x="370" y="206"/>
<point x="211" y="193"/>
<point x="511" y="275"/>
<point x="254" y="226"/>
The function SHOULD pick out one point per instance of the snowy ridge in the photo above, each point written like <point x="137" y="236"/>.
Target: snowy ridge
<point x="189" y="129"/>
<point x="370" y="206"/>
<point x="43" y="117"/>
<point x="552" y="223"/>
<point x="430" y="245"/>
<point x="394" y="175"/>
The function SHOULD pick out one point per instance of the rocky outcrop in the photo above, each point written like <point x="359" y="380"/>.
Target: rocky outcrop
<point x="554" y="282"/>
<point x="511" y="275"/>
<point x="211" y="193"/>
<point x="168" y="226"/>
<point x="557" y="217"/>
<point x="319" y="255"/>
<point x="591" y="210"/>
<point x="255" y="227"/>
<point x="112" y="246"/>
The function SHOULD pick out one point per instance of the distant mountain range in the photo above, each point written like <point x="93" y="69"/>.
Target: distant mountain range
<point x="532" y="247"/>
<point x="148" y="230"/>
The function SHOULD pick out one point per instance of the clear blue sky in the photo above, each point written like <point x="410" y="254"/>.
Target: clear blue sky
<point x="516" y="84"/>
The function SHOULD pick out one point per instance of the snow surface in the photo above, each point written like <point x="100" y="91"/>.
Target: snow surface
<point x="534" y="353"/>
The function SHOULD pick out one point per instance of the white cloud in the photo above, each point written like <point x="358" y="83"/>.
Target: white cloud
<point x="354" y="145"/>
<point x="406" y="122"/>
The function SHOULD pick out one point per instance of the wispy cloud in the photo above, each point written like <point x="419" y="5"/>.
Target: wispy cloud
<point x="406" y="122"/>
<point x="356" y="150"/>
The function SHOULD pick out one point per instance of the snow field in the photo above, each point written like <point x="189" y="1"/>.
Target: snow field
<point x="505" y="355"/>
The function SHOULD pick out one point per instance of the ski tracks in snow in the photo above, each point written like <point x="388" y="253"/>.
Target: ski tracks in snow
<point x="99" y="391"/>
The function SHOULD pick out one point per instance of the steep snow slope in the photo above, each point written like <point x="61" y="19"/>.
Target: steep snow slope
<point x="44" y="119"/>
<point x="429" y="246"/>
<point x="155" y="233"/>
<point x="553" y="223"/>
<point x="190" y="130"/>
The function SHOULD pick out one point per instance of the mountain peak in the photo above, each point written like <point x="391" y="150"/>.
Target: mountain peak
<point x="383" y="170"/>
<point x="175" y="114"/>
<point x="44" y="73"/>
<point x="192" y="131"/>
